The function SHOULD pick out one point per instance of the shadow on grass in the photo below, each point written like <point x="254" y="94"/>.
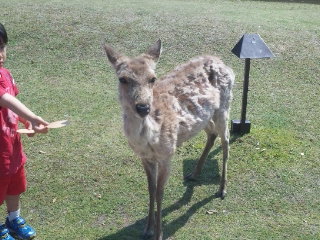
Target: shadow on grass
<point x="209" y="176"/>
<point x="291" y="1"/>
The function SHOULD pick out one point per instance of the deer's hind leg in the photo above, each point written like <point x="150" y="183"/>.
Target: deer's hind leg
<point x="223" y="131"/>
<point x="211" y="137"/>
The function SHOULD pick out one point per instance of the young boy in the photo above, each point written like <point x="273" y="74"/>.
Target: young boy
<point x="12" y="157"/>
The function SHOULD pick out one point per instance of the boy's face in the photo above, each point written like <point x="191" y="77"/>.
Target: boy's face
<point x="3" y="55"/>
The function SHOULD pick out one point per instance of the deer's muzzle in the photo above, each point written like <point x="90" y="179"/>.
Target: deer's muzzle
<point x="143" y="109"/>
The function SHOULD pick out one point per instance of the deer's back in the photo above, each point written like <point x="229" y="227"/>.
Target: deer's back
<point x="187" y="98"/>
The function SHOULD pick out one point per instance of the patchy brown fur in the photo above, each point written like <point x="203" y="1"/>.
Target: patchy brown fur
<point x="160" y="115"/>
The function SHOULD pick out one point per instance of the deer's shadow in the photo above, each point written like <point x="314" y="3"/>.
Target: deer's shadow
<point x="293" y="1"/>
<point x="210" y="176"/>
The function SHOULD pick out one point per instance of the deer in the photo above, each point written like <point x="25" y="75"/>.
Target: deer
<point x="159" y="114"/>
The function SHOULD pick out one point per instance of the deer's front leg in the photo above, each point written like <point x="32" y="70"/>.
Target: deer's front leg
<point x="151" y="171"/>
<point x="163" y="173"/>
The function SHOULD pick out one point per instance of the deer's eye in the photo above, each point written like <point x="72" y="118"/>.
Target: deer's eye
<point x="152" y="80"/>
<point x="123" y="80"/>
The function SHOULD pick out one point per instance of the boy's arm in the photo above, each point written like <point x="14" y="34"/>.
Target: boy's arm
<point x="9" y="101"/>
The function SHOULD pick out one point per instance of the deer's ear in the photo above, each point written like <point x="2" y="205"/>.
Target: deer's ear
<point x="155" y="51"/>
<point x="112" y="55"/>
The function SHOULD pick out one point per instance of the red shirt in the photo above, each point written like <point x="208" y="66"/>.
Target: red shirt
<point x="12" y="156"/>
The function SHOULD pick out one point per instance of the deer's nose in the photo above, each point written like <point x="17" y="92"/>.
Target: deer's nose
<point x="143" y="109"/>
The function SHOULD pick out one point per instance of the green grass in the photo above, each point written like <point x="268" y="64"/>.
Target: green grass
<point x="86" y="183"/>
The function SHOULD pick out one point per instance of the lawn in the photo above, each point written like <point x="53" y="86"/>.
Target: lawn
<point x="84" y="180"/>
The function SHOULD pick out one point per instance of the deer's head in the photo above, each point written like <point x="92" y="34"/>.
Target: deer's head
<point x="136" y="78"/>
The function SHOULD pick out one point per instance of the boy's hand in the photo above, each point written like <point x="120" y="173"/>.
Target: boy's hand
<point x="39" y="125"/>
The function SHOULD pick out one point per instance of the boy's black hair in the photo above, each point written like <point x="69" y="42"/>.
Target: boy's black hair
<point x="3" y="35"/>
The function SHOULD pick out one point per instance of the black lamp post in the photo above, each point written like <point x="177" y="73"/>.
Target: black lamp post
<point x="250" y="46"/>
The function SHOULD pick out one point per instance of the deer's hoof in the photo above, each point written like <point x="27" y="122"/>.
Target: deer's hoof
<point x="221" y="194"/>
<point x="158" y="237"/>
<point x="190" y="178"/>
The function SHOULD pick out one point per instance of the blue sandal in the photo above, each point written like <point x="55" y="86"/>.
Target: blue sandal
<point x="18" y="227"/>
<point x="4" y="233"/>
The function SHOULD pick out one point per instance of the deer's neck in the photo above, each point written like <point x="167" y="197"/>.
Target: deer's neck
<point x="141" y="131"/>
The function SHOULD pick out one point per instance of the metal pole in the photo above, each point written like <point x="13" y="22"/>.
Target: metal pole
<point x="245" y="91"/>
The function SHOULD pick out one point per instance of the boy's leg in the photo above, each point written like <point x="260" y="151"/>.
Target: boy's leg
<point x="4" y="232"/>
<point x="13" y="206"/>
<point x="13" y="203"/>
<point x="17" y="185"/>
<point x="16" y="224"/>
